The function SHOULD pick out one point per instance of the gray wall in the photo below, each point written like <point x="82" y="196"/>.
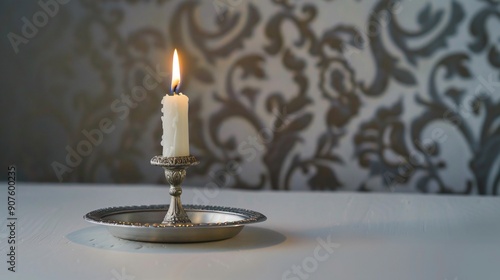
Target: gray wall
<point x="287" y="95"/>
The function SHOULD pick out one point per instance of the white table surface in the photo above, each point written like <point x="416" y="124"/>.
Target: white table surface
<point x="371" y="236"/>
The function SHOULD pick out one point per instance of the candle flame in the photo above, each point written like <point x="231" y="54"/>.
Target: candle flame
<point x="176" y="76"/>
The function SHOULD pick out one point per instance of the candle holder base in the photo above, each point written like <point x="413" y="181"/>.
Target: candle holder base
<point x="140" y="223"/>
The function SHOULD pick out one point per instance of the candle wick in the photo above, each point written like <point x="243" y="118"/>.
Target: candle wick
<point x="174" y="90"/>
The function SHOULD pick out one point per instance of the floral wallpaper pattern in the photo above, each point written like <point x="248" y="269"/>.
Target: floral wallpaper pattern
<point x="367" y="95"/>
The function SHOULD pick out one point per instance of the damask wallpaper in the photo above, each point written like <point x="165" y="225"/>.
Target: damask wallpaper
<point x="362" y="95"/>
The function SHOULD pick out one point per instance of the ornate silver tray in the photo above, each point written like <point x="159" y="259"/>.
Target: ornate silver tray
<point x="144" y="223"/>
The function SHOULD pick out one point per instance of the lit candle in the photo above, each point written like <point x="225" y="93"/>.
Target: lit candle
<point x="175" y="139"/>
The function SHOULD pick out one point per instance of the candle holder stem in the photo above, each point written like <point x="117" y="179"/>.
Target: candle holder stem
<point x="176" y="213"/>
<point x="175" y="172"/>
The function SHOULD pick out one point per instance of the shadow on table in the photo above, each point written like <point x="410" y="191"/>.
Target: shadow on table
<point x="249" y="238"/>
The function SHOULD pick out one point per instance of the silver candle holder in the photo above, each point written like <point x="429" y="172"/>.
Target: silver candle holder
<point x="174" y="222"/>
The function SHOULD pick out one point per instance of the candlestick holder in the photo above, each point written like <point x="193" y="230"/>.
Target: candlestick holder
<point x="174" y="223"/>
<point x="175" y="172"/>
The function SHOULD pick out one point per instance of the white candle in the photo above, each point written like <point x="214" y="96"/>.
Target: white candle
<point x="175" y="139"/>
